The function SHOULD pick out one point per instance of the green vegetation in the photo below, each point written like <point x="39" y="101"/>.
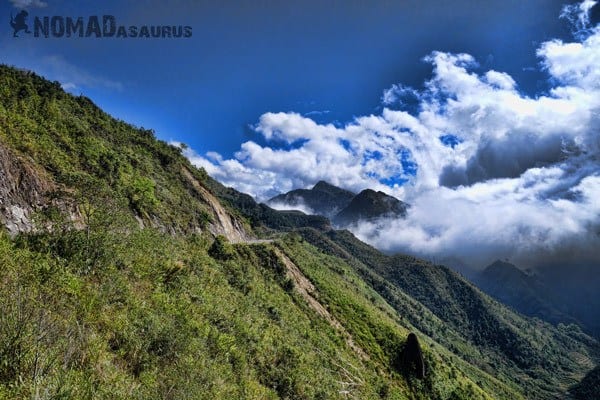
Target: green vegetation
<point x="122" y="291"/>
<point x="185" y="318"/>
<point x="521" y="352"/>
<point x="589" y="387"/>
<point x="260" y="216"/>
<point x="82" y="147"/>
<point x="162" y="319"/>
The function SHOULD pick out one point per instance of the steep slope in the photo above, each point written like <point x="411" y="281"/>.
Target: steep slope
<point x="447" y="308"/>
<point x="80" y="151"/>
<point x="136" y="275"/>
<point x="525" y="293"/>
<point x="323" y="199"/>
<point x="553" y="293"/>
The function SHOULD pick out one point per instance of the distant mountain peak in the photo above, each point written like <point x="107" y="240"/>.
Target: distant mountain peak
<point x="369" y="205"/>
<point x="323" y="185"/>
<point x="523" y="291"/>
<point x="323" y="199"/>
<point x="505" y="269"/>
<point x="502" y="263"/>
<point x="341" y="205"/>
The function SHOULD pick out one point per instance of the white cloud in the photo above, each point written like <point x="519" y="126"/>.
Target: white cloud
<point x="70" y="87"/>
<point x="504" y="218"/>
<point x="317" y="112"/>
<point x="28" y="3"/>
<point x="523" y="179"/>
<point x="579" y="16"/>
<point x="297" y="206"/>
<point x="398" y="94"/>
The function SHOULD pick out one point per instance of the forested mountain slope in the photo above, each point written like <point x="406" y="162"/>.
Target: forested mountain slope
<point x="128" y="273"/>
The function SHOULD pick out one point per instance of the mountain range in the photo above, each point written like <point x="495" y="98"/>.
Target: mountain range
<point x="129" y="273"/>
<point x="341" y="206"/>
<point x="556" y="294"/>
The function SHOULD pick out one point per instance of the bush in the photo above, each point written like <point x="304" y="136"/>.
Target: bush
<point x="221" y="249"/>
<point x="141" y="195"/>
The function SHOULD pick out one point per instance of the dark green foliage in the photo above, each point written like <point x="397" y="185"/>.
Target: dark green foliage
<point x="410" y="360"/>
<point x="262" y="215"/>
<point x="279" y="372"/>
<point x="445" y="307"/>
<point x="221" y="249"/>
<point x="142" y="196"/>
<point x="589" y="387"/>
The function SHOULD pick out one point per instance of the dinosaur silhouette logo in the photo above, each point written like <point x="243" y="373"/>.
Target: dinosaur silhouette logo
<point x="18" y="23"/>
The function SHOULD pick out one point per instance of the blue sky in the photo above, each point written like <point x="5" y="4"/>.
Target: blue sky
<point x="330" y="60"/>
<point x="483" y="115"/>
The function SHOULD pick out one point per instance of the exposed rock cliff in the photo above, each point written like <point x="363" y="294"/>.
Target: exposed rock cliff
<point x="23" y="190"/>
<point x="223" y="223"/>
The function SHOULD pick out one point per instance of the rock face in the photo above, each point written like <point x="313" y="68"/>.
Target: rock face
<point x="22" y="191"/>
<point x="412" y="357"/>
<point x="223" y="222"/>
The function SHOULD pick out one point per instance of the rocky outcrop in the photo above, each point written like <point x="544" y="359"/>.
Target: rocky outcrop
<point x="23" y="190"/>
<point x="223" y="223"/>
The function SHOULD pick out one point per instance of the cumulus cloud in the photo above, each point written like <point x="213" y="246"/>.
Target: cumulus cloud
<point x="520" y="180"/>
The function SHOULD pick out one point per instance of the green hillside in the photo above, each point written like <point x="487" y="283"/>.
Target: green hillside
<point x="128" y="273"/>
<point x="520" y="351"/>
